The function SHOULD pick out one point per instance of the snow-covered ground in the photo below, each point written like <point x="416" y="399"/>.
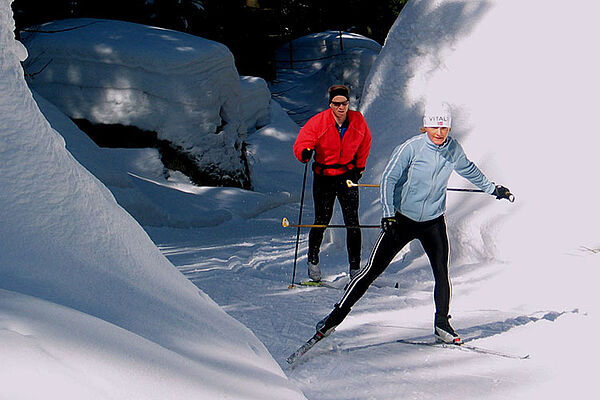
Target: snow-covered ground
<point x="87" y="298"/>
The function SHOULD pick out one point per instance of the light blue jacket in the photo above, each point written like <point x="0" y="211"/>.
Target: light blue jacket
<point x="415" y="179"/>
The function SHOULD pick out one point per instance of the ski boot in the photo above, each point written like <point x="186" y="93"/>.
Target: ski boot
<point x="444" y="333"/>
<point x="314" y="272"/>
<point x="327" y="325"/>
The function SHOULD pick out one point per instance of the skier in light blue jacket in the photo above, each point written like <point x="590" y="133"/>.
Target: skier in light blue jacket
<point x="413" y="196"/>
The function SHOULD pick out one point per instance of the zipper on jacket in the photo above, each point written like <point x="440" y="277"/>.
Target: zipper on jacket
<point x="433" y="176"/>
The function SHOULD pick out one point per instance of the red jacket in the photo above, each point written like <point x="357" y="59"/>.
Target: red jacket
<point x="334" y="155"/>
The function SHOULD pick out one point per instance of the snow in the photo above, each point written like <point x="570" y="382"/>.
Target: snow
<point x="183" y="87"/>
<point x="87" y="297"/>
<point x="90" y="307"/>
<point x="494" y="82"/>
<point x="320" y="60"/>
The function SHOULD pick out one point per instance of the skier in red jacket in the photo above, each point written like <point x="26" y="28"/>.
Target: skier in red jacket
<point x="340" y="140"/>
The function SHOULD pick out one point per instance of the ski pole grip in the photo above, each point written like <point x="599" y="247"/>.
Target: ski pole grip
<point x="511" y="197"/>
<point x="350" y="183"/>
<point x="285" y="223"/>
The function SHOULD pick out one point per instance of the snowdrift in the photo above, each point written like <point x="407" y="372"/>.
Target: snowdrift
<point x="521" y="99"/>
<point x="90" y="307"/>
<point x="184" y="88"/>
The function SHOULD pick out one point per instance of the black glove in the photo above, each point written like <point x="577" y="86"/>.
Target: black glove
<point x="503" y="193"/>
<point x="306" y="155"/>
<point x="357" y="174"/>
<point x="389" y="224"/>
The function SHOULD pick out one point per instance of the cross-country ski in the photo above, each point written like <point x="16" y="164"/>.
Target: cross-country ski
<point x="464" y="347"/>
<point x="321" y="283"/>
<point x="317" y="337"/>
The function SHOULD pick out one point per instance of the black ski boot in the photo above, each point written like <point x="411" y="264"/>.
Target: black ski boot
<point x="327" y="325"/>
<point x="443" y="331"/>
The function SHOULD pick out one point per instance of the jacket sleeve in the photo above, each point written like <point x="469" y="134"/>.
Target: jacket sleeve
<point x="468" y="170"/>
<point x="397" y="164"/>
<point x="362" y="153"/>
<point x="307" y="138"/>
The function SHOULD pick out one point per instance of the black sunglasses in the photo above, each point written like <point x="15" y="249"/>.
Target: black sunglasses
<point x="340" y="103"/>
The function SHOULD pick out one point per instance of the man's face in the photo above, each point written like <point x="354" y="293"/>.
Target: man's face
<point x="339" y="106"/>
<point x="438" y="135"/>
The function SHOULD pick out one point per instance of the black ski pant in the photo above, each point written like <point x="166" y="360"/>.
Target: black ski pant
<point x="325" y="190"/>
<point x="432" y="235"/>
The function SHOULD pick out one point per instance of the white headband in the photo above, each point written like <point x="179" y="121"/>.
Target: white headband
<point x="434" y="121"/>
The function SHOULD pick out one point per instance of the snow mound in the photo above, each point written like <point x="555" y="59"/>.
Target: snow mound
<point x="183" y="87"/>
<point x="521" y="119"/>
<point x="75" y="268"/>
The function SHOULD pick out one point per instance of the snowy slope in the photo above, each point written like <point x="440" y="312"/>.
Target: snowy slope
<point x="90" y="308"/>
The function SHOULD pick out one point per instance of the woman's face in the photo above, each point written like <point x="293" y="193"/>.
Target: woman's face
<point x="438" y="135"/>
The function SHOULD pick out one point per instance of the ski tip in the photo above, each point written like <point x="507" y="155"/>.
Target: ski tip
<point x="285" y="223"/>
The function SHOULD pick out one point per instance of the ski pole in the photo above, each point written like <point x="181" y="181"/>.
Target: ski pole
<point x="285" y="223"/>
<point x="298" y="232"/>
<point x="352" y="184"/>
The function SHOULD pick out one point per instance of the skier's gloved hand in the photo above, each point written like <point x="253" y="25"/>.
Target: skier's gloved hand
<point x="306" y="155"/>
<point x="389" y="224"/>
<point x="503" y="193"/>
<point x="356" y="174"/>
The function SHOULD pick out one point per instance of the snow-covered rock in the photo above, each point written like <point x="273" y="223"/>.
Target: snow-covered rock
<point x="183" y="87"/>
<point x="89" y="306"/>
